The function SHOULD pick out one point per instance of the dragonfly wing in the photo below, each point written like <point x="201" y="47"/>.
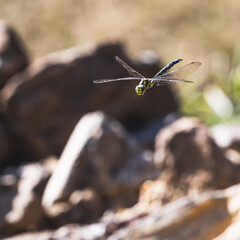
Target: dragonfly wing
<point x="164" y="81"/>
<point x="116" y="79"/>
<point x="130" y="70"/>
<point x="182" y="72"/>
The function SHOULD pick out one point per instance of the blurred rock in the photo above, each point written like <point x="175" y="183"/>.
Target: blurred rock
<point x="204" y="217"/>
<point x="83" y="206"/>
<point x="68" y="232"/>
<point x="207" y="216"/>
<point x="190" y="161"/>
<point x="45" y="102"/>
<point x="23" y="209"/>
<point x="100" y="155"/>
<point x="146" y="135"/>
<point x="13" y="57"/>
<point x="5" y="143"/>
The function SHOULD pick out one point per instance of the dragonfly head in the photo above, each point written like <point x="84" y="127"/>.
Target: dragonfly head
<point x="140" y="89"/>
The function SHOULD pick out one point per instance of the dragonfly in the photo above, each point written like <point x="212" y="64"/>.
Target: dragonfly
<point x="163" y="77"/>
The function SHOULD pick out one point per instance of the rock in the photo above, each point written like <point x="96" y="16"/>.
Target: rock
<point x="146" y="135"/>
<point x="71" y="231"/>
<point x="99" y="155"/>
<point x="23" y="210"/>
<point x="83" y="206"/>
<point x="204" y="217"/>
<point x="5" y="143"/>
<point x="13" y="57"/>
<point x="45" y="102"/>
<point x="190" y="161"/>
<point x="43" y="235"/>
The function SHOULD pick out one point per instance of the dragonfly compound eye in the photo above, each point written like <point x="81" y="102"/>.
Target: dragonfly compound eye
<point x="140" y="89"/>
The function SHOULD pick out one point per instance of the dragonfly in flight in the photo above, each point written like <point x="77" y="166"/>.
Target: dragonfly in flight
<point x="163" y="77"/>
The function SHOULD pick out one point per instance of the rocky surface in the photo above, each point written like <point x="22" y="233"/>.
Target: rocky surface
<point x="211" y="215"/>
<point x="205" y="216"/>
<point x="127" y="167"/>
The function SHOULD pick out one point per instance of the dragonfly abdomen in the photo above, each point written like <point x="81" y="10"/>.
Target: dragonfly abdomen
<point x="166" y="68"/>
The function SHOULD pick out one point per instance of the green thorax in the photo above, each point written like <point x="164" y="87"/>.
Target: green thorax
<point x="148" y="84"/>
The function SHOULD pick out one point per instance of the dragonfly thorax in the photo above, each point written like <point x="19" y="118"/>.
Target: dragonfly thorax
<point x="140" y="89"/>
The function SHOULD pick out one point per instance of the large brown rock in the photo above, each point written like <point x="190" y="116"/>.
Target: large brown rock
<point x="189" y="160"/>
<point x="99" y="155"/>
<point x="45" y="102"/>
<point x="13" y="57"/>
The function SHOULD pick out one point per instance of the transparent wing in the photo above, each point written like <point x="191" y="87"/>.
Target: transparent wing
<point x="130" y="70"/>
<point x="179" y="74"/>
<point x="117" y="79"/>
<point x="161" y="82"/>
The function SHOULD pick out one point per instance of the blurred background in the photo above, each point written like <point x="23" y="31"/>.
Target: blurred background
<point x="63" y="161"/>
<point x="193" y="30"/>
